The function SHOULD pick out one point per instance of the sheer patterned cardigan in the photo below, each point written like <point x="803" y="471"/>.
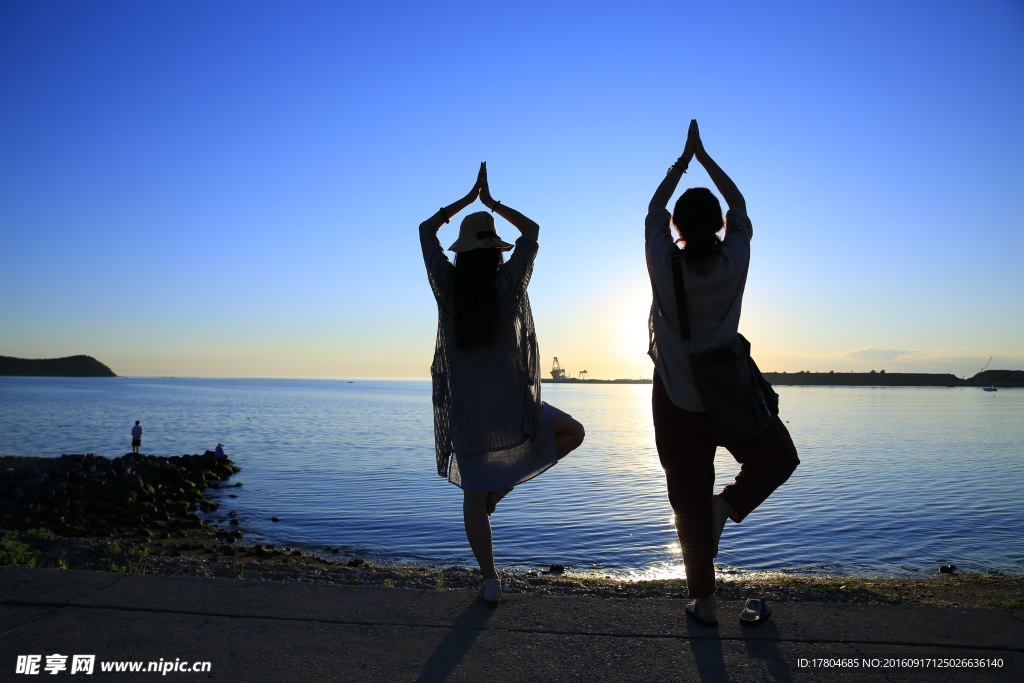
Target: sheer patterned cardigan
<point x="486" y="400"/>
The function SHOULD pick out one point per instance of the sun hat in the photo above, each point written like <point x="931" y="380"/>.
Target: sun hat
<point x="477" y="232"/>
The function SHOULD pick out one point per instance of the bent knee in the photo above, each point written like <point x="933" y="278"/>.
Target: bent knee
<point x="564" y="424"/>
<point x="792" y="461"/>
<point x="579" y="432"/>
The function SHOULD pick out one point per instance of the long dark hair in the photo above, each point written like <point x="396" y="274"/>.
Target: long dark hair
<point x="698" y="217"/>
<point x="476" y="298"/>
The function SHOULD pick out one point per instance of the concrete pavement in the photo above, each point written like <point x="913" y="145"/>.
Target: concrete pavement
<point x="263" y="631"/>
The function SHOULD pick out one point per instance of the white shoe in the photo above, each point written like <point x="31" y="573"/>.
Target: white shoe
<point x="490" y="592"/>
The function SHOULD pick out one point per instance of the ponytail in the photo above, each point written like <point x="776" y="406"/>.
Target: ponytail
<point x="700" y="241"/>
<point x="698" y="217"/>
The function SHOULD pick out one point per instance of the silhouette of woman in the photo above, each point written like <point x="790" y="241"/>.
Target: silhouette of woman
<point x="715" y="274"/>
<point x="488" y="412"/>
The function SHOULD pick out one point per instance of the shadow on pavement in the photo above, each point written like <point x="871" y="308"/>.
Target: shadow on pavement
<point x="464" y="631"/>
<point x="707" y="653"/>
<point x="762" y="643"/>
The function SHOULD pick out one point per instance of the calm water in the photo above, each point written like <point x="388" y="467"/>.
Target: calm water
<point x="892" y="482"/>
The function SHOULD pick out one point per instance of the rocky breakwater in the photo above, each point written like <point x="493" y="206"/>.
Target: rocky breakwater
<point x="90" y="495"/>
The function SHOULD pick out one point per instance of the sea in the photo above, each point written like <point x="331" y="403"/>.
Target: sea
<point x="892" y="482"/>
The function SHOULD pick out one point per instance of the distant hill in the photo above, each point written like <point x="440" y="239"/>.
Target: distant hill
<point x="863" y="379"/>
<point x="995" y="378"/>
<point x="989" y="378"/>
<point x="72" y="366"/>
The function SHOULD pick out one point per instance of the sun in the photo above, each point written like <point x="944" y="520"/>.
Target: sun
<point x="631" y="339"/>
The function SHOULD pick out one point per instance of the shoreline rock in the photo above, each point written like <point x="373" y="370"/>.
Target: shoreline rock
<point x="89" y="495"/>
<point x="138" y="514"/>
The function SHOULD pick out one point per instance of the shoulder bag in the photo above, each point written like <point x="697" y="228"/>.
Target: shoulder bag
<point x="737" y="398"/>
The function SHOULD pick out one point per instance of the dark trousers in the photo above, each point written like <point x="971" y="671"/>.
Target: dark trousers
<point x="686" y="446"/>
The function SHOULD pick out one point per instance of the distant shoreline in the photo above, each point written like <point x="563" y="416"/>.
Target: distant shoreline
<point x="71" y="366"/>
<point x="87" y="366"/>
<point x="570" y="380"/>
<point x="989" y="378"/>
<point x="123" y="536"/>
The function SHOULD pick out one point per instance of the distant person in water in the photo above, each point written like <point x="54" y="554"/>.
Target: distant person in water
<point x="714" y="273"/>
<point x="136" y="437"/>
<point x="488" y="412"/>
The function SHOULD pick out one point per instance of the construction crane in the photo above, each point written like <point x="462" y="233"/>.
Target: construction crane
<point x="557" y="373"/>
<point x="582" y="375"/>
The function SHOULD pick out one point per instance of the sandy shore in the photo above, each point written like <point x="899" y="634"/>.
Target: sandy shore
<point x="202" y="553"/>
<point x="179" y="545"/>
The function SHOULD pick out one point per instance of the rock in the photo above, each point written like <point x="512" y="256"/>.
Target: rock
<point x="88" y="494"/>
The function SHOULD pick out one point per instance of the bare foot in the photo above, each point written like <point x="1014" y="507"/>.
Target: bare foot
<point x="493" y="498"/>
<point x="720" y="511"/>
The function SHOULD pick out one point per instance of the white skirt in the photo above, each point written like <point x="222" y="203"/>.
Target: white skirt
<point x="500" y="470"/>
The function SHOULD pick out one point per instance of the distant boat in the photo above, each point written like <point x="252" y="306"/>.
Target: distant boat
<point x="983" y="371"/>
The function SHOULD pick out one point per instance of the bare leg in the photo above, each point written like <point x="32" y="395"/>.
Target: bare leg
<point x="478" y="531"/>
<point x="720" y="511"/>
<point x="568" y="435"/>
<point x="494" y="497"/>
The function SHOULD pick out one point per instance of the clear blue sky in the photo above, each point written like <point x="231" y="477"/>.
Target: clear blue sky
<point x="202" y="188"/>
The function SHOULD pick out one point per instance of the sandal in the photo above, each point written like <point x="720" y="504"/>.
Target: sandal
<point x="691" y="611"/>
<point x="755" y="610"/>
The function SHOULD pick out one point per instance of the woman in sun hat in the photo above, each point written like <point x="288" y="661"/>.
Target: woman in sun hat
<point x="491" y="429"/>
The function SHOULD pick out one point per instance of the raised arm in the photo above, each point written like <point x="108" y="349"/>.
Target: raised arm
<point x="668" y="186"/>
<point x="444" y="214"/>
<point x="521" y="222"/>
<point x="723" y="182"/>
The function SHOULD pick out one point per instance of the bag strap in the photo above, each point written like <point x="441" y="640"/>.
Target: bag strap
<point x="681" y="306"/>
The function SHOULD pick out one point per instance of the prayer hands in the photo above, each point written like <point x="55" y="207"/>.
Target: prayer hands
<point x="693" y="141"/>
<point x="485" y="190"/>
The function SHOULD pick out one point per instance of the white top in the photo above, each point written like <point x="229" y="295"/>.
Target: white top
<point x="713" y="299"/>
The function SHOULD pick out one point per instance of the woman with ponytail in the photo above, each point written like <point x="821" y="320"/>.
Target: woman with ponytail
<point x="713" y="274"/>
<point x="491" y="429"/>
